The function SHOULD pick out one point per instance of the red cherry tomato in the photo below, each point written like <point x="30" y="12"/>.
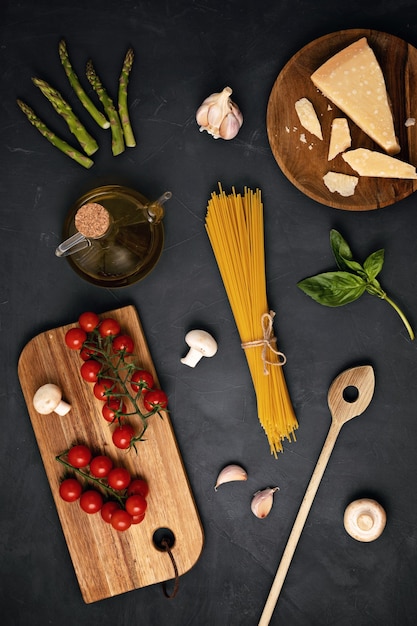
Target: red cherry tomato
<point x="121" y="520"/>
<point x="155" y="400"/>
<point x="70" y="489"/>
<point x="141" y="380"/>
<point x="108" y="509"/>
<point x="136" y="505"/>
<point x="109" y="327"/>
<point x="103" y="388"/>
<point x="112" y="409"/>
<point x="87" y="351"/>
<point x="137" y="519"/>
<point x="123" y="343"/>
<point x="139" y="487"/>
<point x="88" y="321"/>
<point x="90" y="370"/>
<point x="122" y="436"/>
<point x="79" y="456"/>
<point x="75" y="337"/>
<point x="100" y="466"/>
<point x="118" y="478"/>
<point x="91" y="501"/>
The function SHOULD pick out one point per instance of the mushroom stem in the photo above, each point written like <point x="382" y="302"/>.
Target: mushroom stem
<point x="62" y="408"/>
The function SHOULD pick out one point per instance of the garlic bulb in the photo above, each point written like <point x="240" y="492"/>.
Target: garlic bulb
<point x="219" y="115"/>
<point x="229" y="474"/>
<point x="262" y="501"/>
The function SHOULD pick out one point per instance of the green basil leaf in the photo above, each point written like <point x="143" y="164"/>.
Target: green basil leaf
<point x="373" y="264"/>
<point x="333" y="288"/>
<point x="340" y="248"/>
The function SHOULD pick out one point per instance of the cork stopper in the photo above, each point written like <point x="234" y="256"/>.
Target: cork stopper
<point x="92" y="220"/>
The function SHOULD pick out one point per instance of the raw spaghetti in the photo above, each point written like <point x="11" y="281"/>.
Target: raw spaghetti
<point x="235" y="227"/>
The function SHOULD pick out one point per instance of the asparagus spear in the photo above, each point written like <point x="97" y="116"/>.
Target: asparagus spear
<point x="123" y="107"/>
<point x="75" y="84"/>
<point x="118" y="144"/>
<point x="86" y="141"/>
<point x="54" y="139"/>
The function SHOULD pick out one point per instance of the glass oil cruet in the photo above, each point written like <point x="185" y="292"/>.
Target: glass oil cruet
<point x="114" y="235"/>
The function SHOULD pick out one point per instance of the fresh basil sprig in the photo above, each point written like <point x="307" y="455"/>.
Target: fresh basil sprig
<point x="350" y="281"/>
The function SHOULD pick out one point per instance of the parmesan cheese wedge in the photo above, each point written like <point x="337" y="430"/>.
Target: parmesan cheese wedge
<point x="353" y="80"/>
<point x="308" y="117"/>
<point x="369" y="163"/>
<point x="339" y="137"/>
<point x="343" y="184"/>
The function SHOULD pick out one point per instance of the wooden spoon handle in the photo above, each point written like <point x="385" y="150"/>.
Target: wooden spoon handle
<point x="299" y="523"/>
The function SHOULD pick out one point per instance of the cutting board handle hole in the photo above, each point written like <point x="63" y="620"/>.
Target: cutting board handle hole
<point x="163" y="537"/>
<point x="350" y="394"/>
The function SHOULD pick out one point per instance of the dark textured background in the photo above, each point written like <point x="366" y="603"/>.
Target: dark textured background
<point x="185" y="50"/>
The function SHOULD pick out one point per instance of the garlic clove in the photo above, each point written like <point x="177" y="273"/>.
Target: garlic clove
<point x="230" y="473"/>
<point x="262" y="502"/>
<point x="229" y="127"/>
<point x="219" y="115"/>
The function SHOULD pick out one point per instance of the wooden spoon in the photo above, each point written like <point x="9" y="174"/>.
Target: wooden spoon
<point x="359" y="384"/>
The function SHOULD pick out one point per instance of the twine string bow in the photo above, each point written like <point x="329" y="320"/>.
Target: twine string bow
<point x="268" y="342"/>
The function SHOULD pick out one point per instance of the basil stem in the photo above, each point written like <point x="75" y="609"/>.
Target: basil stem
<point x="350" y="281"/>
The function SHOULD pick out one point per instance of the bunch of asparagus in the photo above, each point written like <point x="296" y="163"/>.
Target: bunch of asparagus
<point x="116" y="119"/>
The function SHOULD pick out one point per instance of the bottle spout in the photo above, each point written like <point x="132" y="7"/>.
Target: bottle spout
<point x="73" y="244"/>
<point x="155" y="210"/>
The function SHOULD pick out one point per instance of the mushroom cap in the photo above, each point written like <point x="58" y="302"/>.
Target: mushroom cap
<point x="201" y="341"/>
<point x="47" y="398"/>
<point x="364" y="519"/>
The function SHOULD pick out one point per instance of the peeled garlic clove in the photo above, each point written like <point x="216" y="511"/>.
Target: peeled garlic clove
<point x="262" y="501"/>
<point x="219" y="115"/>
<point x="230" y="473"/>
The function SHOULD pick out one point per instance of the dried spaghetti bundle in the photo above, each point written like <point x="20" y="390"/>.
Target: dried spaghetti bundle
<point x="235" y="228"/>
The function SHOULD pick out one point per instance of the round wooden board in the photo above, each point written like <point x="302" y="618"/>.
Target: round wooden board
<point x="305" y="163"/>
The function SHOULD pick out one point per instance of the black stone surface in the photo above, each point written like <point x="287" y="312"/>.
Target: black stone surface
<point x="186" y="50"/>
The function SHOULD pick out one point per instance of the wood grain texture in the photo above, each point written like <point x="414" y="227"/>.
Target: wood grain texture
<point x="108" y="562"/>
<point x="305" y="164"/>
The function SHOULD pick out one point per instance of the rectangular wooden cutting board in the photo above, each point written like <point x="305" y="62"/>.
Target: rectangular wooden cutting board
<point x="108" y="562"/>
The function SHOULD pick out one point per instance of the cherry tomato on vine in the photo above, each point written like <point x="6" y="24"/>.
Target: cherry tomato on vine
<point x="79" y="456"/>
<point x="122" y="436"/>
<point x="109" y="327"/>
<point x="90" y="370"/>
<point x="137" y="519"/>
<point x="141" y="380"/>
<point x="70" y="489"/>
<point x="110" y="409"/>
<point x="102" y="389"/>
<point x="121" y="520"/>
<point x="108" y="509"/>
<point x="118" y="478"/>
<point x="139" y="487"/>
<point x="88" y="321"/>
<point x="91" y="501"/>
<point x="136" y="505"/>
<point x="100" y="466"/>
<point x="123" y="343"/>
<point x="155" y="400"/>
<point x="75" y="337"/>
<point x="87" y="351"/>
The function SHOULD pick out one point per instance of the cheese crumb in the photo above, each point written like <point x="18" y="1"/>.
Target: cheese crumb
<point x="410" y="121"/>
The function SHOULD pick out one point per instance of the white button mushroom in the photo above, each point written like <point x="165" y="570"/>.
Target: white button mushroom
<point x="201" y="343"/>
<point x="48" y="399"/>
<point x="364" y="520"/>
